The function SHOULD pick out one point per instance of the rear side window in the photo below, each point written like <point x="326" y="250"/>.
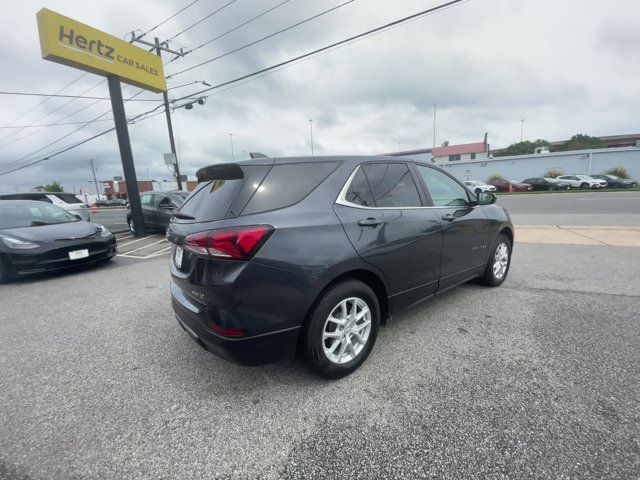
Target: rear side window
<point x="67" y="197"/>
<point x="392" y="185"/>
<point x="287" y="184"/>
<point x="359" y="192"/>
<point x="146" y="199"/>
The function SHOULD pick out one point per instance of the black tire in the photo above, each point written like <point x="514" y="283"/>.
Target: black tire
<point x="311" y="340"/>
<point x="489" y="278"/>
<point x="584" y="186"/>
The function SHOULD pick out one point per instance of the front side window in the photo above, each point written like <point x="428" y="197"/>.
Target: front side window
<point x="444" y="191"/>
<point x="392" y="185"/>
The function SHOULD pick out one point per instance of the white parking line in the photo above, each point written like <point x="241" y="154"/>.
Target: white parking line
<point x="145" y="246"/>
<point x="134" y="241"/>
<point x="123" y="237"/>
<point x="146" y="257"/>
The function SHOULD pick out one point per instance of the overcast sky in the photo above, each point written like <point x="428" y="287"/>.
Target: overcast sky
<point x="564" y="66"/>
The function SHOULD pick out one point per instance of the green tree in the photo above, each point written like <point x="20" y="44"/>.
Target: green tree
<point x="581" y="142"/>
<point x="522" y="148"/>
<point x="51" y="187"/>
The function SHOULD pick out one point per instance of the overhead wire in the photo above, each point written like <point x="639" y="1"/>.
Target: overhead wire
<point x="275" y="67"/>
<point x="167" y="19"/>
<point x="45" y="100"/>
<point x="271" y="35"/>
<point x="201" y="20"/>
<point x="227" y="32"/>
<point x="328" y="47"/>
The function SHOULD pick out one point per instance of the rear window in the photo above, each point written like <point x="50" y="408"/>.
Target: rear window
<point x="218" y="199"/>
<point x="287" y="184"/>
<point x="67" y="197"/>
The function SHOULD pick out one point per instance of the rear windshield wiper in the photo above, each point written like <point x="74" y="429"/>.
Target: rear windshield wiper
<point x="184" y="216"/>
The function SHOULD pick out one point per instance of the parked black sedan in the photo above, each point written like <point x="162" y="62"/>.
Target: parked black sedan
<point x="616" y="182"/>
<point x="37" y="237"/>
<point x="313" y="254"/>
<point x="545" y="183"/>
<point x="158" y="208"/>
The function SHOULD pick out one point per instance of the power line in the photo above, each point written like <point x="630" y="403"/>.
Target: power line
<point x="52" y="124"/>
<point x="259" y="72"/>
<point x="232" y="29"/>
<point x="167" y="19"/>
<point x="76" y="97"/>
<point x="71" y="133"/>
<point x="328" y="47"/>
<point x="45" y="100"/>
<point x="262" y="39"/>
<point x="81" y="142"/>
<point x="201" y="20"/>
<point x="52" y="112"/>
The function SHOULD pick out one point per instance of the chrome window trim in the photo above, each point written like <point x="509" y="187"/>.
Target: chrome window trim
<point x="342" y="199"/>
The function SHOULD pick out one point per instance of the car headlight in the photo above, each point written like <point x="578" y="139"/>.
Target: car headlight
<point x="104" y="231"/>
<point x="19" y="244"/>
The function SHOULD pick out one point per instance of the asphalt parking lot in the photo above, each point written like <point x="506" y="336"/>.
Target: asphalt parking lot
<point x="537" y="378"/>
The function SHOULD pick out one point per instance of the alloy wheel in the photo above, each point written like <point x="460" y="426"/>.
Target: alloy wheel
<point x="346" y="330"/>
<point x="501" y="261"/>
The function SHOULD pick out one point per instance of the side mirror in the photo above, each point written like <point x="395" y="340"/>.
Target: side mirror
<point x="487" y="198"/>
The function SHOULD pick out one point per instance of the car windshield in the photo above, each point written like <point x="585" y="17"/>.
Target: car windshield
<point x="33" y="215"/>
<point x="612" y="177"/>
<point x="178" y="197"/>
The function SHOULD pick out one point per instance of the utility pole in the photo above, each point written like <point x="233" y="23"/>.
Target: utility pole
<point x="311" y="134"/>
<point x="95" y="181"/>
<point x="233" y="155"/>
<point x="434" y="124"/>
<point x="158" y="48"/>
<point x="521" y="128"/>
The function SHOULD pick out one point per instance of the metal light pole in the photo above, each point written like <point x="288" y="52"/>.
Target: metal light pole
<point x="233" y="155"/>
<point x="435" y="105"/>
<point x="521" y="128"/>
<point x="95" y="181"/>
<point x="311" y="134"/>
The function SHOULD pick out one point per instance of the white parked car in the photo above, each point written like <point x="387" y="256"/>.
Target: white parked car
<point x="582" y="181"/>
<point x="66" y="201"/>
<point x="474" y="185"/>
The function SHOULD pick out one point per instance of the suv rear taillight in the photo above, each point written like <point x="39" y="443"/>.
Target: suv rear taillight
<point x="240" y="243"/>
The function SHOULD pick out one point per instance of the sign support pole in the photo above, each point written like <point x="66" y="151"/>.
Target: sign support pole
<point x="126" y="155"/>
<point x="169" y="126"/>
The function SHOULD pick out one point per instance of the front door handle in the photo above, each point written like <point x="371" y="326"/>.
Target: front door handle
<point x="369" y="222"/>
<point x="449" y="217"/>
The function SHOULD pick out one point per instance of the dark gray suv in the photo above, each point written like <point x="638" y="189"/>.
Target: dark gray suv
<point x="273" y="256"/>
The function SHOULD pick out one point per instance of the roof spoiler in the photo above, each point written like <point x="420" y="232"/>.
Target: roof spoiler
<point x="223" y="171"/>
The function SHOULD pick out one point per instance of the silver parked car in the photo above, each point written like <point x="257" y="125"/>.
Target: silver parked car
<point x="66" y="201"/>
<point x="475" y="185"/>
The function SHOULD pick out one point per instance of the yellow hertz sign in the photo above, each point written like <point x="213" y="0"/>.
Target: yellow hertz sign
<point x="75" y="44"/>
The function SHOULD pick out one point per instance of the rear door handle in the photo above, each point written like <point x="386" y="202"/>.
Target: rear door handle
<point x="449" y="217"/>
<point x="369" y="222"/>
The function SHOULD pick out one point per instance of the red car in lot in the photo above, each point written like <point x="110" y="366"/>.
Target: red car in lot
<point x="503" y="184"/>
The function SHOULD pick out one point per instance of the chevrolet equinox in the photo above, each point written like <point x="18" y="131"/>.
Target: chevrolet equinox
<point x="312" y="254"/>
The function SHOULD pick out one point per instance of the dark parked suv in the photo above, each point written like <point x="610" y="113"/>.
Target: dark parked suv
<point x="157" y="208"/>
<point x="313" y="254"/>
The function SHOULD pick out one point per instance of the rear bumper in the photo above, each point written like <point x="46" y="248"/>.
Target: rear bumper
<point x="255" y="350"/>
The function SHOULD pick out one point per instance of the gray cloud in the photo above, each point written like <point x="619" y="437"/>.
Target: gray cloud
<point x="563" y="66"/>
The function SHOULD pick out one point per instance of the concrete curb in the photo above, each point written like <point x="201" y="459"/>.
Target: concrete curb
<point x="622" y="236"/>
